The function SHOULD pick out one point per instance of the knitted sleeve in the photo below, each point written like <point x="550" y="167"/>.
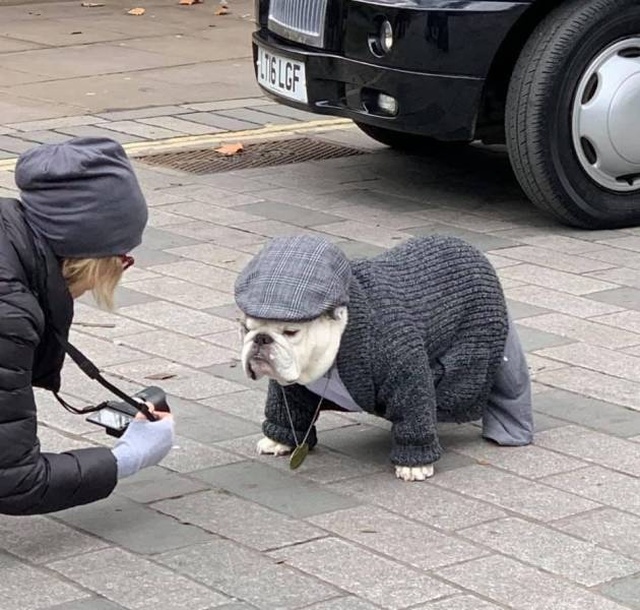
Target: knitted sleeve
<point x="408" y="394"/>
<point x="302" y="406"/>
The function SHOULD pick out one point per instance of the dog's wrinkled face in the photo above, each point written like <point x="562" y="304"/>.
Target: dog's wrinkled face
<point x="292" y="352"/>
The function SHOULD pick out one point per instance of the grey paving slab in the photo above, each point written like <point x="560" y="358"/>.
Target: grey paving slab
<point x="173" y="123"/>
<point x="460" y="602"/>
<point x="601" y="485"/>
<point x="562" y="281"/>
<point x="57" y="123"/>
<point x="594" y="385"/>
<point x="220" y="235"/>
<point x="41" y="539"/>
<point x="590" y="413"/>
<point x="253" y="115"/>
<point x="99" y="131"/>
<point x="577" y="329"/>
<point x="210" y="425"/>
<point x="595" y="447"/>
<point x="185" y="350"/>
<point x="626" y="591"/>
<point x="131" y="526"/>
<point x="283" y="492"/>
<point x="90" y="603"/>
<point x="179" y="292"/>
<point x="531" y="461"/>
<point x="237" y="519"/>
<point x="600" y="359"/>
<point x="374" y="578"/>
<point x="286" y="111"/>
<point x="553" y="259"/>
<point x="608" y="527"/>
<point x="175" y="317"/>
<point x="196" y="272"/>
<point x="141" y="113"/>
<point x="624" y="297"/>
<point x="519" y="495"/>
<point x="533" y="339"/>
<point x="629" y="320"/>
<point x="212" y="254"/>
<point x="117" y="575"/>
<point x="284" y="212"/>
<point x="156" y="483"/>
<point x="182" y="381"/>
<point x="17" y="590"/>
<point x="481" y="240"/>
<point x="15" y="145"/>
<point x="45" y="137"/>
<point x="526" y="588"/>
<point x="552" y="551"/>
<point x="219" y="121"/>
<point x="247" y="404"/>
<point x="397" y="537"/>
<point x="434" y="506"/>
<point x="232" y="371"/>
<point x="572" y="305"/>
<point x="247" y="575"/>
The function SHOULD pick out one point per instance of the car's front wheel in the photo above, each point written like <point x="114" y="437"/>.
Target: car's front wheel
<point x="573" y="114"/>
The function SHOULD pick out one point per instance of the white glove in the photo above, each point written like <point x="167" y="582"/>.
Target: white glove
<point x="143" y="444"/>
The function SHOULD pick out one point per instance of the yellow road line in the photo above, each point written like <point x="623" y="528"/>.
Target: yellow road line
<point x="261" y="133"/>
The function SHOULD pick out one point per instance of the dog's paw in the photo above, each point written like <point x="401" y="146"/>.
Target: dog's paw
<point x="414" y="473"/>
<point x="266" y="445"/>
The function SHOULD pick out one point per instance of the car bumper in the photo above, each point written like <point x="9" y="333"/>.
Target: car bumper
<point x="436" y="70"/>
<point x="439" y="105"/>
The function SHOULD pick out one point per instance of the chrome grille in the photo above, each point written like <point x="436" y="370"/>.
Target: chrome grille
<point x="299" y="20"/>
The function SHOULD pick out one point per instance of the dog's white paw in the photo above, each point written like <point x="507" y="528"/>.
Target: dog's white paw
<point x="266" y="445"/>
<point x="414" y="473"/>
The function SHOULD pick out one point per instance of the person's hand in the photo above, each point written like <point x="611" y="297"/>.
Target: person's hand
<point x="157" y="414"/>
<point x="144" y="443"/>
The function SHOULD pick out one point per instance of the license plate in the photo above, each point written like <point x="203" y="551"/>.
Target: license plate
<point x="281" y="75"/>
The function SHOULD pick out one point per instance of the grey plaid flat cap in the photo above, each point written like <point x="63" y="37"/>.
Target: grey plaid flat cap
<point x="294" y="278"/>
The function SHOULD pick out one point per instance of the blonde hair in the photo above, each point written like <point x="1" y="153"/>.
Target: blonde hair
<point x="100" y="275"/>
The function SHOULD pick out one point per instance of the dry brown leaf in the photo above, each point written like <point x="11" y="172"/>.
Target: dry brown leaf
<point x="228" y="150"/>
<point x="91" y="4"/>
<point x="223" y="10"/>
<point x="160" y="376"/>
<point x="190" y="2"/>
<point x="136" y="11"/>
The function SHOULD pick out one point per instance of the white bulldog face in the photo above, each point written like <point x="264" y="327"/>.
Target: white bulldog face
<point x="292" y="352"/>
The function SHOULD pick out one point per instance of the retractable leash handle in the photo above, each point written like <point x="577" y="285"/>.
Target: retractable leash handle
<point x="92" y="371"/>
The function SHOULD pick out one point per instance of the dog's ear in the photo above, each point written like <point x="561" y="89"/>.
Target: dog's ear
<point x="339" y="313"/>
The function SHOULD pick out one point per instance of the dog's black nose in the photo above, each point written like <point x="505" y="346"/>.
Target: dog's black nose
<point x="262" y="339"/>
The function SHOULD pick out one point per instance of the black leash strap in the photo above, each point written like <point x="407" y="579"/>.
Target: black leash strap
<point x="92" y="371"/>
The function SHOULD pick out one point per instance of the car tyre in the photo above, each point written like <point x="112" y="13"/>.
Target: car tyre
<point x="572" y="127"/>
<point x="407" y="142"/>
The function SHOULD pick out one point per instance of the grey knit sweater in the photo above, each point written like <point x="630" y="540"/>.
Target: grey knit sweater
<point x="426" y="333"/>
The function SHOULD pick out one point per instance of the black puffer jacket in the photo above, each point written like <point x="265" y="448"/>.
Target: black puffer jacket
<point x="35" y="305"/>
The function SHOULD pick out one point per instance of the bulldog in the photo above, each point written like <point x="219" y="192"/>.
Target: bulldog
<point x="417" y="335"/>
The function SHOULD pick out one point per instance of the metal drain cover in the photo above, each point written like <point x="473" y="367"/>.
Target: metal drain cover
<point x="259" y="154"/>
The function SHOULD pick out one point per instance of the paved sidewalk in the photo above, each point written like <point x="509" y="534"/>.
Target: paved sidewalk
<point x="553" y="526"/>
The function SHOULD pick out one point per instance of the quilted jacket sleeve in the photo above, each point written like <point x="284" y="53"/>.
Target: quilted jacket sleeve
<point x="32" y="482"/>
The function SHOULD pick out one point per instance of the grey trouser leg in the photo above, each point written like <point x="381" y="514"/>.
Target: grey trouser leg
<point x="508" y="417"/>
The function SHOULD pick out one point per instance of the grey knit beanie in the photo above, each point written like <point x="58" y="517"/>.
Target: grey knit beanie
<point x="83" y="197"/>
<point x="294" y="279"/>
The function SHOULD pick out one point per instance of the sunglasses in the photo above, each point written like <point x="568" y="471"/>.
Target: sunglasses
<point x="127" y="261"/>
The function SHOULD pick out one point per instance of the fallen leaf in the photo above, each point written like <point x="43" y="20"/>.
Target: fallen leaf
<point x="223" y="10"/>
<point x="190" y="2"/>
<point x="91" y="4"/>
<point x="160" y="376"/>
<point x="74" y="33"/>
<point x="136" y="11"/>
<point x="228" y="150"/>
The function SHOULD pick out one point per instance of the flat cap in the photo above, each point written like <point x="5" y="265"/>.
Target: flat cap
<point x="296" y="278"/>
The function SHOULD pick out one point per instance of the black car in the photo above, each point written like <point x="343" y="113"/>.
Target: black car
<point x="558" y="81"/>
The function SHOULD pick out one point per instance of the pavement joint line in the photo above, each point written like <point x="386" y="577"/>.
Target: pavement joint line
<point x="190" y="141"/>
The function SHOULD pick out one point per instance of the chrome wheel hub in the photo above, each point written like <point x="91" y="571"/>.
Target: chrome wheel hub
<point x="606" y="117"/>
